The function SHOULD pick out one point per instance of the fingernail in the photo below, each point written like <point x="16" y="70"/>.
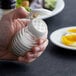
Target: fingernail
<point x="40" y="41"/>
<point x="37" y="49"/>
<point x="21" y="59"/>
<point x="31" y="60"/>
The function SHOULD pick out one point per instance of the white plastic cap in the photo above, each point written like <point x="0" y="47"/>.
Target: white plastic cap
<point x="37" y="27"/>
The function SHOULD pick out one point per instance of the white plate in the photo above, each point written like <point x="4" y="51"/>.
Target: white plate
<point x="55" y="38"/>
<point x="45" y="13"/>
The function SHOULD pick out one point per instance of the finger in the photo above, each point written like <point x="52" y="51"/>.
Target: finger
<point x="17" y="13"/>
<point x="40" y="41"/>
<point x="39" y="54"/>
<point x="20" y="13"/>
<point x="29" y="57"/>
<point x="20" y="23"/>
<point x="21" y="59"/>
<point x="23" y="22"/>
<point x="40" y="47"/>
<point x="44" y="45"/>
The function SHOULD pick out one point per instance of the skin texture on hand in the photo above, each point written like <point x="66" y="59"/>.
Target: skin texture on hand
<point x="9" y="25"/>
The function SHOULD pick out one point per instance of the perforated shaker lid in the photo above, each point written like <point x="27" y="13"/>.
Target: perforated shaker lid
<point x="37" y="27"/>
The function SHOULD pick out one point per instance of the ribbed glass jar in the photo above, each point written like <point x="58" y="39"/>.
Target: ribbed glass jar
<point x="26" y="38"/>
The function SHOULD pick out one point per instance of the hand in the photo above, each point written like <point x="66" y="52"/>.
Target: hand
<point x="9" y="25"/>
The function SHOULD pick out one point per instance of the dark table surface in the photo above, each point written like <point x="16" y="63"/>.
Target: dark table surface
<point x="55" y="61"/>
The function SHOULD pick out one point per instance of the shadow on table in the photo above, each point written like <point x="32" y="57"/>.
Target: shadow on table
<point x="61" y="52"/>
<point x="12" y="69"/>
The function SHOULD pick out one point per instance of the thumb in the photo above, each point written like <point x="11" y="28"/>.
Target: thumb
<point x="17" y="13"/>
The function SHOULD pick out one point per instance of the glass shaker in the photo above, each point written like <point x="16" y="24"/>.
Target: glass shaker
<point x="26" y="38"/>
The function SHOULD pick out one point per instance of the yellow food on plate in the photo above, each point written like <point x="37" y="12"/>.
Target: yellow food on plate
<point x="25" y="3"/>
<point x="69" y="39"/>
<point x="72" y="30"/>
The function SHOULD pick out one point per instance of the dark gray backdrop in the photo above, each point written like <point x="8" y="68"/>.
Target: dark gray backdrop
<point x="54" y="61"/>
